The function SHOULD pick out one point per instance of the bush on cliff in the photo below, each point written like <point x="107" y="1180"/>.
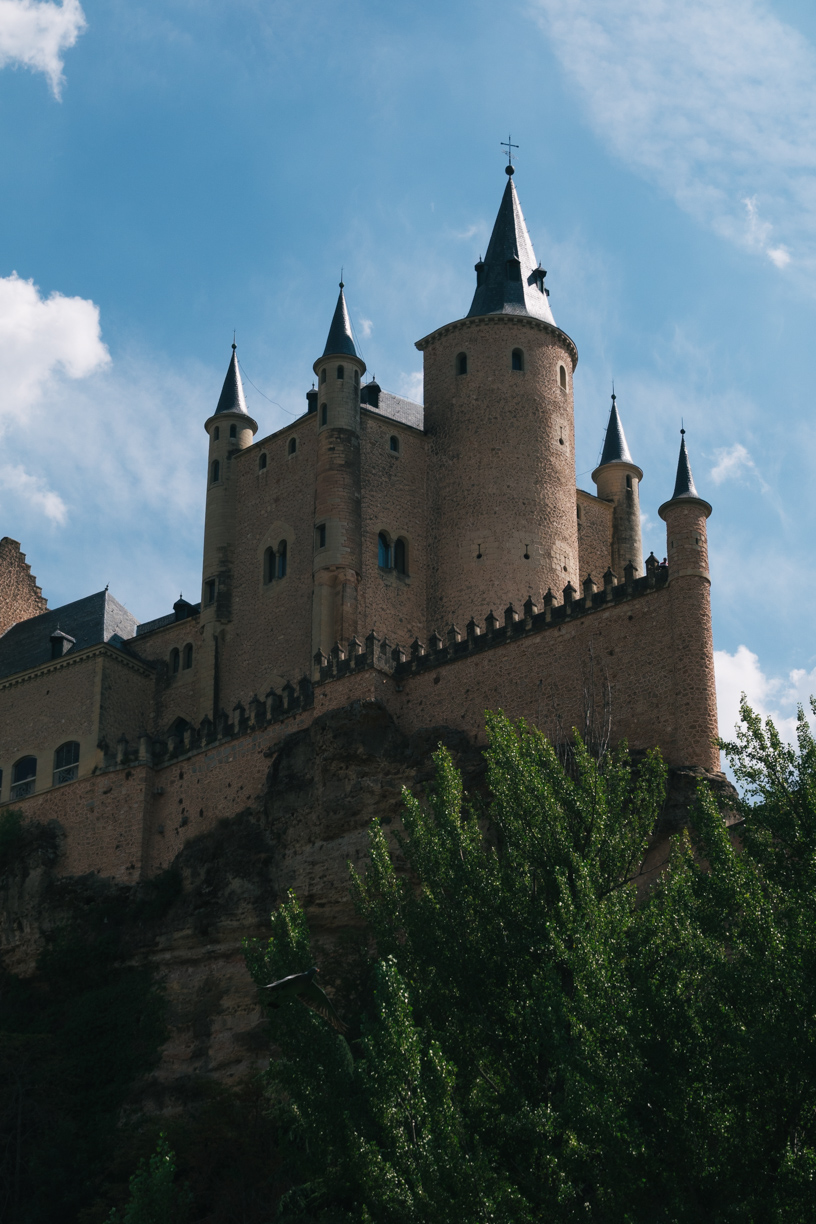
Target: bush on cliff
<point x="532" y="1044"/>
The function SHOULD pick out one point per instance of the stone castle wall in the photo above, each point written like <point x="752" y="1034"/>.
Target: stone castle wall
<point x="20" y="597"/>
<point x="594" y="518"/>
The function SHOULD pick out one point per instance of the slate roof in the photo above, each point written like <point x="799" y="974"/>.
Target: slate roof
<point x="396" y="408"/>
<point x="615" y="449"/>
<point x="232" y="393"/>
<point x="340" y="339"/>
<point x="90" y="621"/>
<point x="684" y="481"/>
<point x="505" y="289"/>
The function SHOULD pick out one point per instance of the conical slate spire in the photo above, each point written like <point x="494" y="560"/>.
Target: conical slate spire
<point x="509" y="279"/>
<point x="684" y="483"/>
<point x="340" y="339"/>
<point x="615" y="449"/>
<point x="232" y="393"/>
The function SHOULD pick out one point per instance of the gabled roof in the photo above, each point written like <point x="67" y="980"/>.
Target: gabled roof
<point x="232" y="393"/>
<point x="340" y="340"/>
<point x="684" y="481"/>
<point x="511" y="279"/>
<point x="615" y="449"/>
<point x="89" y="621"/>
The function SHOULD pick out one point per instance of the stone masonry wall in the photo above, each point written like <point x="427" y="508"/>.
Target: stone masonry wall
<point x="595" y="537"/>
<point x="20" y="597"/>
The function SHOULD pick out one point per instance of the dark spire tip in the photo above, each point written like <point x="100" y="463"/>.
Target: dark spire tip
<point x="509" y="169"/>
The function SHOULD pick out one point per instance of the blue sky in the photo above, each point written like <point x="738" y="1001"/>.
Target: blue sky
<point x="171" y="171"/>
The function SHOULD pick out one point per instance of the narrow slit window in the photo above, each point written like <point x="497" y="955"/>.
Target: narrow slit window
<point x="517" y="360"/>
<point x="216" y="433"/>
<point x="461" y="363"/>
<point x="209" y="591"/>
<point x="215" y="472"/>
<point x="629" y="483"/>
<point x="188" y="656"/>
<point x="262" y="461"/>
<point x="562" y="378"/>
<point x="293" y="445"/>
<point x="324" y="414"/>
<point x="269" y="565"/>
<point x="320" y="535"/>
<point x="323" y="375"/>
<point x="356" y="378"/>
<point x="175" y="660"/>
<point x="282" y="559"/>
<point x="400" y="557"/>
<point x="341" y="373"/>
<point x="383" y="551"/>
<point x="233" y="431"/>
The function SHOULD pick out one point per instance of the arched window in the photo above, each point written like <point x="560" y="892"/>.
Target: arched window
<point x="66" y="762"/>
<point x="233" y="431"/>
<point x="383" y="551"/>
<point x="562" y="377"/>
<point x="262" y="461"/>
<point x="461" y="363"/>
<point x="401" y="557"/>
<point x="269" y="565"/>
<point x="188" y="656"/>
<point x="23" y="777"/>
<point x="341" y="373"/>
<point x="517" y="360"/>
<point x="393" y="443"/>
<point x="320" y="535"/>
<point x="293" y="445"/>
<point x="215" y="472"/>
<point x="175" y="660"/>
<point x="282" y="559"/>
<point x="324" y="414"/>
<point x="216" y="433"/>
<point x="323" y="375"/>
<point x="629" y="483"/>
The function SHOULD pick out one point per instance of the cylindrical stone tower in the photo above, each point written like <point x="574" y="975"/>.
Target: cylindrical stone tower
<point x="691" y="666"/>
<point x="338" y="563"/>
<point x="618" y="480"/>
<point x="499" y="412"/>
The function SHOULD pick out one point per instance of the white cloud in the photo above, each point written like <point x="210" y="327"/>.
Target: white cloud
<point x="713" y="102"/>
<point x="37" y="34"/>
<point x="41" y="338"/>
<point x="734" y="462"/>
<point x="366" y="327"/>
<point x="34" y="492"/>
<point x="773" y="697"/>
<point x="412" y="386"/>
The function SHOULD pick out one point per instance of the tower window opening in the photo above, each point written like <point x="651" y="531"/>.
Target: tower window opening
<point x="401" y="557"/>
<point x="562" y="378"/>
<point x="262" y="461"/>
<point x="216" y="433"/>
<point x="293" y="444"/>
<point x="187" y="658"/>
<point x="341" y="373"/>
<point x="517" y="360"/>
<point x="324" y="414"/>
<point x="383" y="551"/>
<point x="513" y="270"/>
<point x="23" y="777"/>
<point x="323" y="375"/>
<point x="215" y="472"/>
<point x="269" y="565"/>
<point x="629" y="484"/>
<point x="209" y="591"/>
<point x="282" y="559"/>
<point x="393" y="443"/>
<point x="175" y="660"/>
<point x="579" y="513"/>
<point x="320" y="535"/>
<point x="461" y="363"/>
<point x="233" y="431"/>
<point x="356" y="378"/>
<point x="66" y="762"/>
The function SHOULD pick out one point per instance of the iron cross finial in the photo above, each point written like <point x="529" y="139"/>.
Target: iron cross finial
<point x="508" y="143"/>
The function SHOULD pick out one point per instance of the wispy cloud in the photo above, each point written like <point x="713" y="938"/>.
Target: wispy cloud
<point x="775" y="697"/>
<point x="412" y="386"/>
<point x="37" y="35"/>
<point x="366" y="327"/>
<point x="735" y="463"/>
<point x="713" y="102"/>
<point x="34" y="492"/>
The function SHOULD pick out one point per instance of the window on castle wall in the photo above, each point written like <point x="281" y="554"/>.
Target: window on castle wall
<point x="293" y="445"/>
<point x="579" y="513"/>
<point x="175" y="660"/>
<point x="324" y="414"/>
<point x="562" y="377"/>
<point x="269" y="565"/>
<point x="393" y="444"/>
<point x="209" y="591"/>
<point x="215" y="472"/>
<point x="401" y="557"/>
<point x="383" y="551"/>
<point x="66" y="762"/>
<point x="282" y="559"/>
<point x="629" y="483"/>
<point x="323" y="375"/>
<point x="23" y="777"/>
<point x="262" y="461"/>
<point x="216" y="433"/>
<point x="187" y="657"/>
<point x="341" y="373"/>
<point x="356" y="378"/>
<point x="233" y="431"/>
<point x="517" y="360"/>
<point x="513" y="270"/>
<point x="461" y="363"/>
<point x="320" y="535"/>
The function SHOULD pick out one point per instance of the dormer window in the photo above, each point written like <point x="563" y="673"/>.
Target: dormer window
<point x="513" y="270"/>
<point x="537" y="279"/>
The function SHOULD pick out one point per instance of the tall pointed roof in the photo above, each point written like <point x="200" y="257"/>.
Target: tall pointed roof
<point x="510" y="279"/>
<point x="615" y="449"/>
<point x="340" y="339"/>
<point x="232" y="392"/>
<point x="684" y="481"/>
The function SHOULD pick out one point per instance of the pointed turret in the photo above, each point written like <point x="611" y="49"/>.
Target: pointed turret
<point x="509" y="280"/>
<point x="618" y="480"/>
<point x="232" y="393"/>
<point x="340" y="341"/>
<point x="684" y="487"/>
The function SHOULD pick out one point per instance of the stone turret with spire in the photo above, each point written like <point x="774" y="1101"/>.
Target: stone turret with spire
<point x="618" y="481"/>
<point x="338" y="517"/>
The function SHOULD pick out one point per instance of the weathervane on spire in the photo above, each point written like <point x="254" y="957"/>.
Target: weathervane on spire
<point x="508" y="143"/>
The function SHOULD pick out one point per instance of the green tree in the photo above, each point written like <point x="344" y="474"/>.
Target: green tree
<point x="154" y="1196"/>
<point x="531" y="1043"/>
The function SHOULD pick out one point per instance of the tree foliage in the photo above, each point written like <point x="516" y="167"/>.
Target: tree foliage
<point x="529" y="1043"/>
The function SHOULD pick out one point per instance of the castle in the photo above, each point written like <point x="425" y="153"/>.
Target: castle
<point x="438" y="560"/>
